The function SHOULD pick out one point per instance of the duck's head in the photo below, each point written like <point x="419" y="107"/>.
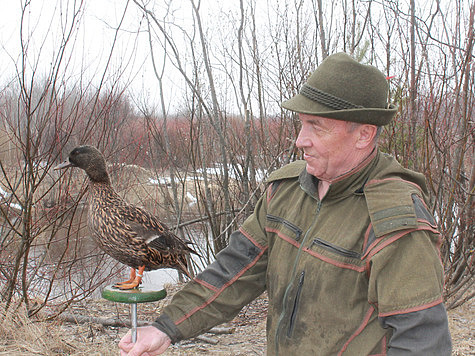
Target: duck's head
<point x="90" y="159"/>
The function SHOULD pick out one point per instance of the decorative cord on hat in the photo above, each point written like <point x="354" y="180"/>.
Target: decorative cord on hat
<point x="327" y="99"/>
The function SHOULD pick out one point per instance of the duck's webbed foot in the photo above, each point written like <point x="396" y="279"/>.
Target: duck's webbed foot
<point x="134" y="281"/>
<point x="130" y="280"/>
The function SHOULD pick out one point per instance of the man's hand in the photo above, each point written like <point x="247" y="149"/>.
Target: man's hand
<point x="150" y="342"/>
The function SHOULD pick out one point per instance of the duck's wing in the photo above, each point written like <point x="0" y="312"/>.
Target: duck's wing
<point x="153" y="232"/>
<point x="114" y="235"/>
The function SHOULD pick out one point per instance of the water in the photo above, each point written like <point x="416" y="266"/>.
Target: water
<point x="66" y="264"/>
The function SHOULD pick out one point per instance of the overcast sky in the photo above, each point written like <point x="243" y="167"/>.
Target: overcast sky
<point x="46" y="20"/>
<point x="93" y="41"/>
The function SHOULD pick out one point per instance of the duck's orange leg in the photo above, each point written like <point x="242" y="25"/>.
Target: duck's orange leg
<point x="135" y="283"/>
<point x="130" y="280"/>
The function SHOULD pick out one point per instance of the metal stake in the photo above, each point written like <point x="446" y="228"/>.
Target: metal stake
<point x="133" y="321"/>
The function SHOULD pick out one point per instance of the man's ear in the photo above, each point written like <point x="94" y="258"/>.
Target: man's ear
<point x="367" y="134"/>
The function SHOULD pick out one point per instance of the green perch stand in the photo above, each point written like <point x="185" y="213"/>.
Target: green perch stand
<point x="142" y="294"/>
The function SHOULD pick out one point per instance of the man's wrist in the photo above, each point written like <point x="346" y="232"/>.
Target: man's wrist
<point x="167" y="326"/>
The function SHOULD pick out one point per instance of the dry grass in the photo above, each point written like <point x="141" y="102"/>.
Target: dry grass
<point x="462" y="328"/>
<point x="20" y="335"/>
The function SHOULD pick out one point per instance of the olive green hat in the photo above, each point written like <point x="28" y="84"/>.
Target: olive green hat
<point x="343" y="89"/>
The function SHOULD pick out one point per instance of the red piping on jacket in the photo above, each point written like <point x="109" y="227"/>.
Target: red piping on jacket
<point x="428" y="223"/>
<point x="250" y="238"/>
<point x="389" y="241"/>
<point x="334" y="262"/>
<point x="383" y="348"/>
<point x="359" y="330"/>
<point x="206" y="284"/>
<point x="230" y="282"/>
<point x="316" y="254"/>
<point x="370" y="253"/>
<point x="271" y="194"/>
<point x="374" y="181"/>
<point x="283" y="236"/>
<point x="413" y="309"/>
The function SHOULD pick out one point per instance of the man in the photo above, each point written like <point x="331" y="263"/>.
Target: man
<point x="343" y="242"/>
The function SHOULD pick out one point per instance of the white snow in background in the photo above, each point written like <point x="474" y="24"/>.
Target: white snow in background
<point x="216" y="171"/>
<point x="4" y="193"/>
<point x="7" y="195"/>
<point x="191" y="198"/>
<point x="233" y="172"/>
<point x="159" y="181"/>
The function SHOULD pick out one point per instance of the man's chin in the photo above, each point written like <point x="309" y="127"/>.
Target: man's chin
<point x="312" y="171"/>
<point x="316" y="173"/>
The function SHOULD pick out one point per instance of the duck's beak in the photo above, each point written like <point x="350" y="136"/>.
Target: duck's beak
<point x="65" y="164"/>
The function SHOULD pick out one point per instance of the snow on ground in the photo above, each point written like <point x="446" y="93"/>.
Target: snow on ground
<point x="6" y="195"/>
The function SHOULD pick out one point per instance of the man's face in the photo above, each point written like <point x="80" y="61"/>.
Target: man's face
<point x="328" y="146"/>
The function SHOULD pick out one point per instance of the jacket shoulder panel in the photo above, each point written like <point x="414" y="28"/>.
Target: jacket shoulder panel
<point x="291" y="170"/>
<point x="390" y="205"/>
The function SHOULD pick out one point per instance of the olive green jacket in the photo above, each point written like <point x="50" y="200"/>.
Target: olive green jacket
<point x="334" y="268"/>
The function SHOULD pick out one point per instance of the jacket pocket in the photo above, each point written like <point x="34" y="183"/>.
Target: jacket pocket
<point x="295" y="307"/>
<point x="335" y="248"/>
<point x="292" y="227"/>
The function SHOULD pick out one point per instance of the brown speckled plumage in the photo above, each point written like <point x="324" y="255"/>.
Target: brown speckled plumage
<point x="128" y="233"/>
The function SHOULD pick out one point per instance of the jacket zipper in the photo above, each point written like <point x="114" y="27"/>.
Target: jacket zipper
<point x="336" y="249"/>
<point x="296" y="261"/>
<point x="294" y="228"/>
<point x="293" y="315"/>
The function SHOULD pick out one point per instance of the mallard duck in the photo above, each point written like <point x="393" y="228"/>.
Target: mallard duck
<point x="126" y="232"/>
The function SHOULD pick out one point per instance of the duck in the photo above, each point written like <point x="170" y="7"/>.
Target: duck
<point x="127" y="233"/>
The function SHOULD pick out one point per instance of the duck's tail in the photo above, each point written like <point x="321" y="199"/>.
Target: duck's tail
<point x="189" y="249"/>
<point x="182" y="266"/>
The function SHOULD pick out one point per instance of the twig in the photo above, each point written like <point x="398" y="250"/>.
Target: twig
<point x="222" y="330"/>
<point x="209" y="340"/>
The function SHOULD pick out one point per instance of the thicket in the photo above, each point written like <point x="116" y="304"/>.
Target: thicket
<point x="229" y="132"/>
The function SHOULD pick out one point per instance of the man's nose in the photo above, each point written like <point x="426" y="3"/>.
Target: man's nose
<point x="302" y="139"/>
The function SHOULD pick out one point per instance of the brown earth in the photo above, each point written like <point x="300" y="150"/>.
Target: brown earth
<point x="247" y="338"/>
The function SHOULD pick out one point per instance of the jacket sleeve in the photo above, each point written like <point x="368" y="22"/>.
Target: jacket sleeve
<point x="216" y="295"/>
<point x="424" y="332"/>
<point x="406" y="283"/>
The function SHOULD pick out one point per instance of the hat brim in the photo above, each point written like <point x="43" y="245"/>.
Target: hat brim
<point x="373" y="116"/>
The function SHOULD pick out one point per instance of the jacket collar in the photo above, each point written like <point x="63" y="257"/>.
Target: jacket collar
<point x="348" y="183"/>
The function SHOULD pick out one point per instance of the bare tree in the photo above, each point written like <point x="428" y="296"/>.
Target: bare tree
<point x="45" y="253"/>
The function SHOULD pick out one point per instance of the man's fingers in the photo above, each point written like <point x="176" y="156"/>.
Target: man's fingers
<point x="125" y="343"/>
<point x="138" y="349"/>
<point x="150" y="342"/>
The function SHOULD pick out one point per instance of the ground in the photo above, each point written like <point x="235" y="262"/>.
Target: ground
<point x="247" y="338"/>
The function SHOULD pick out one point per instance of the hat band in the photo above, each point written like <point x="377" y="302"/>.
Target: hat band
<point x="326" y="99"/>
